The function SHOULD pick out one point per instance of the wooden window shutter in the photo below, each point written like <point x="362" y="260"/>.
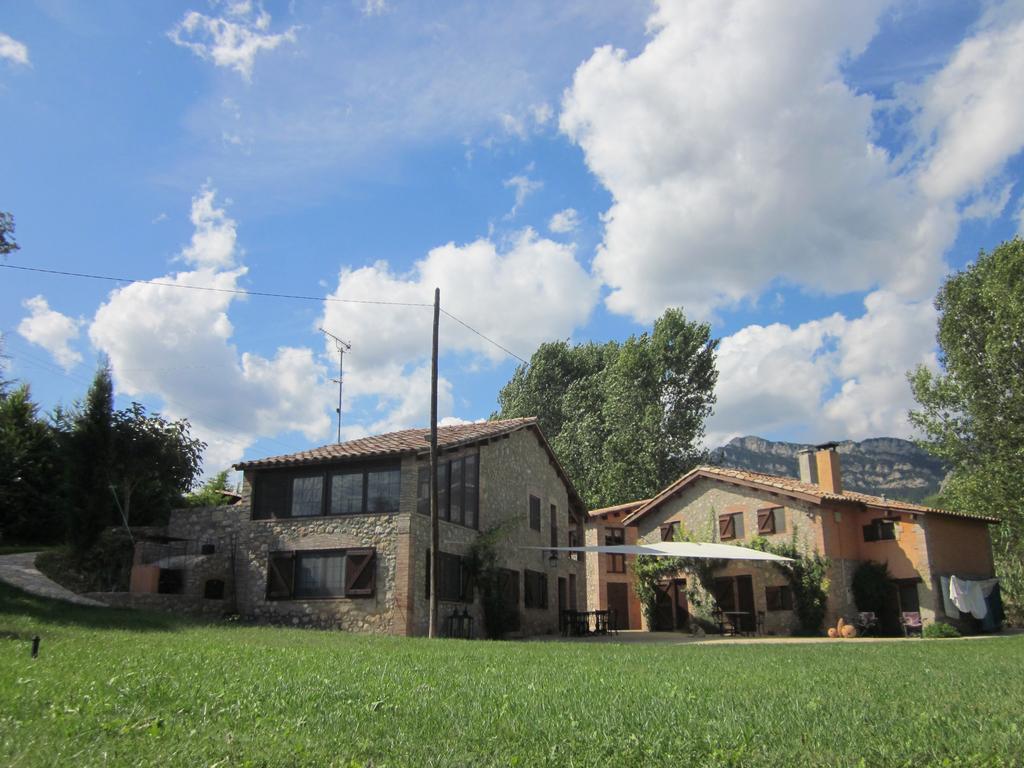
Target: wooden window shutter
<point x="280" y="575"/>
<point x="726" y="527"/>
<point x="766" y="521"/>
<point x="666" y="533"/>
<point x="360" y="572"/>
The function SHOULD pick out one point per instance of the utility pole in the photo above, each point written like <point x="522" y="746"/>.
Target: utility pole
<point x="435" y="525"/>
<point x="343" y="347"/>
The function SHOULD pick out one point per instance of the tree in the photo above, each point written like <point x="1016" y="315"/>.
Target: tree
<point x="624" y="418"/>
<point x="89" y="453"/>
<point x="29" y="491"/>
<point x="153" y="460"/>
<point x="7" y="244"/>
<point x="972" y="413"/>
<point x="209" y="495"/>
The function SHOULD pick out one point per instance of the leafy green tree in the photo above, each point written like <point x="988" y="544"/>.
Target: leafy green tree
<point x="7" y="244"/>
<point x="624" y="418"/>
<point x="155" y="462"/>
<point x="89" y="453"/>
<point x="209" y="495"/>
<point x="972" y="413"/>
<point x="29" y="491"/>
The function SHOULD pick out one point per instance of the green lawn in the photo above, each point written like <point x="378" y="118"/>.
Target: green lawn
<point x="121" y="688"/>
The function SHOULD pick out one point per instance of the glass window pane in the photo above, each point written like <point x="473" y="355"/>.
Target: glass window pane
<point x="307" y="496"/>
<point x="383" y="490"/>
<point x="320" y="575"/>
<point x="471" y="484"/>
<point x="456" y="485"/>
<point x="347" y="493"/>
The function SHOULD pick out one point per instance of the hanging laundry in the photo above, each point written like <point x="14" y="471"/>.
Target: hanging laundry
<point x="969" y="596"/>
<point x="948" y="606"/>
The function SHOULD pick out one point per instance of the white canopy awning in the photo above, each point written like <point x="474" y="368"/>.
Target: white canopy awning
<point x="677" y="549"/>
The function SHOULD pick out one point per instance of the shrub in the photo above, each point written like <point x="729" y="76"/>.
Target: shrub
<point x="940" y="629"/>
<point x="105" y="567"/>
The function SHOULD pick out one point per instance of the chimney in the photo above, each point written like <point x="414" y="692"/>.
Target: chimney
<point x="827" y="459"/>
<point x="808" y="466"/>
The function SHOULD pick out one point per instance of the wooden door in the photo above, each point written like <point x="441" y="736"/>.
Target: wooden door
<point x="618" y="601"/>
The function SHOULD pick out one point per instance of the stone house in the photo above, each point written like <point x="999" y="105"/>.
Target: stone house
<point x="920" y="545"/>
<point x="339" y="536"/>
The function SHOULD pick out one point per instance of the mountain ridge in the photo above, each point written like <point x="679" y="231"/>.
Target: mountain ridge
<point x="881" y="466"/>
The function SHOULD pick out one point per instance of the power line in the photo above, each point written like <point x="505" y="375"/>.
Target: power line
<point x="238" y="291"/>
<point x="506" y="350"/>
<point x="241" y="292"/>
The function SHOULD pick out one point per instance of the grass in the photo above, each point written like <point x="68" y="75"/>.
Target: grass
<point x="124" y="688"/>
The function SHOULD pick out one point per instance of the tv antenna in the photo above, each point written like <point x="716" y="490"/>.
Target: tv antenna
<point x="342" y="347"/>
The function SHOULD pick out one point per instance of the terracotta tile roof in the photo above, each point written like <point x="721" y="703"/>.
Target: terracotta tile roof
<point x="394" y="444"/>
<point x="799" y="489"/>
<point x="629" y="506"/>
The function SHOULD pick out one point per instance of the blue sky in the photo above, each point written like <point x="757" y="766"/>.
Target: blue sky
<point x="800" y="175"/>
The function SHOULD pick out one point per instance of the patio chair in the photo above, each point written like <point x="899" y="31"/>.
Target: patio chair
<point x="866" y="623"/>
<point x="911" y="621"/>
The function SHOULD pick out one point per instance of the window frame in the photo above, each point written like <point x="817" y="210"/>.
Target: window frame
<point x="778" y="598"/>
<point x="731" y="517"/>
<point x="534" y="514"/>
<point x="349" y="590"/>
<point x="467" y="490"/>
<point x="466" y="587"/>
<point x="535" y="597"/>
<point x="876" y="528"/>
<point x="615" y="537"/>
<point x="264" y="508"/>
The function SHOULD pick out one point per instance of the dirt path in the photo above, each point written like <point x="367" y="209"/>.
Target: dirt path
<point x="20" y="571"/>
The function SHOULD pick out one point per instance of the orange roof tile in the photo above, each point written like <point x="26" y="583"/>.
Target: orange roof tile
<point x="797" y="488"/>
<point x="394" y="444"/>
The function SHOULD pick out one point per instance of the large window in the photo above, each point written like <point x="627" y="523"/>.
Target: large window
<point x="615" y="537"/>
<point x="458" y="490"/>
<point x="321" y="574"/>
<point x="535" y="589"/>
<point x="453" y="577"/>
<point x="730" y="526"/>
<point x="349" y="491"/>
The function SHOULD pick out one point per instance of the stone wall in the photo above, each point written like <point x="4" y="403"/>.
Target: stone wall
<point x="511" y="469"/>
<point x="179" y="604"/>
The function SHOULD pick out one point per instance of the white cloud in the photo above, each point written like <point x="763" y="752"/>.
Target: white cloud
<point x="988" y="205"/>
<point x="374" y="7"/>
<point x="564" y="221"/>
<point x="737" y="156"/>
<point x="970" y="115"/>
<point x="532" y="291"/>
<point x="51" y="330"/>
<point x="177" y="345"/>
<point x="825" y="379"/>
<point x="13" y="50"/>
<point x="524" y="186"/>
<point x="233" y="41"/>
